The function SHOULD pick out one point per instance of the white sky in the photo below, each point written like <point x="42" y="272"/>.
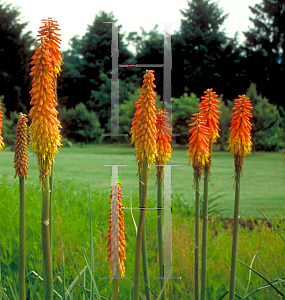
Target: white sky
<point x="74" y="16"/>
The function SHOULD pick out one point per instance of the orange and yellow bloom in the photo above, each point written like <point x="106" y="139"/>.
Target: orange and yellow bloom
<point x="21" y="158"/>
<point x="44" y="129"/>
<point x="163" y="138"/>
<point x="198" y="151"/>
<point x="240" y="139"/>
<point x="208" y="111"/>
<point x="144" y="123"/>
<point x="1" y="138"/>
<point x="48" y="30"/>
<point x="111" y="236"/>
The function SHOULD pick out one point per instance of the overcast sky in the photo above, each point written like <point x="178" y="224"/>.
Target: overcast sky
<point x="74" y="16"/>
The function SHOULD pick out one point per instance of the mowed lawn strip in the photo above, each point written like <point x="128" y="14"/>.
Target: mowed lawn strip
<point x="262" y="183"/>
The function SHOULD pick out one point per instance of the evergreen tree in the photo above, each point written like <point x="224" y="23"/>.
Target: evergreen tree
<point x="149" y="50"/>
<point x="88" y="57"/>
<point x="200" y="50"/>
<point x="265" y="47"/>
<point x="15" y="55"/>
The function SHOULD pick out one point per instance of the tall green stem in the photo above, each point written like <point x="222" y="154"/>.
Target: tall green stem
<point x="22" y="288"/>
<point x="235" y="238"/>
<point x="115" y="291"/>
<point x="48" y="284"/>
<point x="159" y="229"/>
<point x="204" y="236"/>
<point x="140" y="231"/>
<point x="144" y="254"/>
<point x="197" y="233"/>
<point x="50" y="207"/>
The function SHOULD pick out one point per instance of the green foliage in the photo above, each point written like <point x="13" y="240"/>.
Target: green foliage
<point x="182" y="112"/>
<point x="80" y="125"/>
<point x="267" y="131"/>
<point x="15" y="54"/>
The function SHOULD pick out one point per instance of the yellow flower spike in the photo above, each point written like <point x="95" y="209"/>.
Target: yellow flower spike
<point x="21" y="158"/>
<point x="163" y="141"/>
<point x="143" y="132"/>
<point x="1" y="138"/>
<point x="240" y="139"/>
<point x="198" y="151"/>
<point x="44" y="129"/>
<point x="122" y="238"/>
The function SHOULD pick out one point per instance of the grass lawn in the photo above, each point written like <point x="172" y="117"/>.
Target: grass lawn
<point x="262" y="186"/>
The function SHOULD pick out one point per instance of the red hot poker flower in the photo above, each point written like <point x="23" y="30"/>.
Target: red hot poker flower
<point x="240" y="140"/>
<point x="209" y="113"/>
<point x="44" y="129"/>
<point x="118" y="231"/>
<point x="21" y="158"/>
<point x="48" y="30"/>
<point x="198" y="151"/>
<point x="162" y="140"/>
<point x="143" y="131"/>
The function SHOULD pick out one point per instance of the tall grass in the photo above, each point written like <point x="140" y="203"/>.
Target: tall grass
<point x="72" y="223"/>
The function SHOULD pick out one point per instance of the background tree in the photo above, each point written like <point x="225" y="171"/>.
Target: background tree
<point x="15" y="55"/>
<point x="149" y="50"/>
<point x="264" y="47"/>
<point x="87" y="68"/>
<point x="200" y="50"/>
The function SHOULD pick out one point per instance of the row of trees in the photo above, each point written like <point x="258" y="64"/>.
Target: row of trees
<point x="202" y="57"/>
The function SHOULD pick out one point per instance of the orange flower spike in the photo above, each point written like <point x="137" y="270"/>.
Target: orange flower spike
<point x="198" y="151"/>
<point x="209" y="112"/>
<point x="162" y="141"/>
<point x="21" y="158"/>
<point x="44" y="134"/>
<point x="122" y="238"/>
<point x="240" y="139"/>
<point x="1" y="138"/>
<point x="143" y="132"/>
<point x="48" y="30"/>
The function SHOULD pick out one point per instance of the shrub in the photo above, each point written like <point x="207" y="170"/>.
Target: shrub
<point x="267" y="131"/>
<point x="182" y="111"/>
<point x="80" y="125"/>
